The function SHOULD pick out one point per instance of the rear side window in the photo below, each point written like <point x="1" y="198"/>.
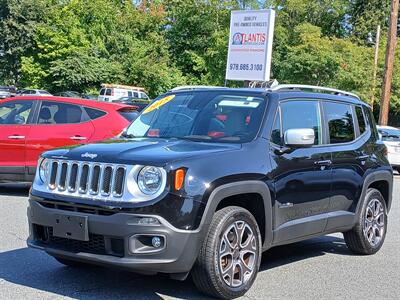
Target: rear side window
<point x="339" y="118"/>
<point x="94" y="113"/>
<point x="302" y="114"/>
<point x="360" y="119"/>
<point x="60" y="113"/>
<point x="108" y="92"/>
<point x="129" y="115"/>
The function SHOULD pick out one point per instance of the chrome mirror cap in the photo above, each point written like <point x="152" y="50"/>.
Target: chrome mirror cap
<point x="299" y="137"/>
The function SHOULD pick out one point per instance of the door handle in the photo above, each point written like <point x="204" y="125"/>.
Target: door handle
<point x="16" y="137"/>
<point x="78" y="138"/>
<point x="327" y="162"/>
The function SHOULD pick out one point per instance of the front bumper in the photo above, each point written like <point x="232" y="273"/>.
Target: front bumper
<point x="110" y="240"/>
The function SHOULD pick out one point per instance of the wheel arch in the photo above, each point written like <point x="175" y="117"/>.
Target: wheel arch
<point x="382" y="181"/>
<point x="240" y="194"/>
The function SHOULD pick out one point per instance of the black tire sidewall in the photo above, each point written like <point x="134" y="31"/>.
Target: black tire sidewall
<point x="237" y="215"/>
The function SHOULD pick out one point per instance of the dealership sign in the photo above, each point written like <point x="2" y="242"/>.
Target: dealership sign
<point x="250" y="45"/>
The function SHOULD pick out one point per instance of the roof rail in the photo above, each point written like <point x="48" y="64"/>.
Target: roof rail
<point x="195" y="87"/>
<point x="311" y="87"/>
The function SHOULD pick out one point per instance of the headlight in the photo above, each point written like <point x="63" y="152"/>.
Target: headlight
<point x="44" y="170"/>
<point x="150" y="180"/>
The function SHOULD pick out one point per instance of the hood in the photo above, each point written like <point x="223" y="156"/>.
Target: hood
<point x="140" y="151"/>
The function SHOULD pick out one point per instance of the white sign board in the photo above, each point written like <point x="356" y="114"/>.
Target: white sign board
<point x="250" y="45"/>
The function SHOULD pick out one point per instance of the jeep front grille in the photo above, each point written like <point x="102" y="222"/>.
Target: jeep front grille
<point x="97" y="180"/>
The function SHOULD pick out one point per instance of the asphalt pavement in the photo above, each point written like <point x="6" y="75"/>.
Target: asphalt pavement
<point x="321" y="268"/>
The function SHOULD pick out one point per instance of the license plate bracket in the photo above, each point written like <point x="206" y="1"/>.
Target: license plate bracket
<point x="71" y="227"/>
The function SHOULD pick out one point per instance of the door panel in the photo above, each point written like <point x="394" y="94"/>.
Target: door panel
<point x="349" y="158"/>
<point x="302" y="176"/>
<point x="302" y="191"/>
<point x="58" y="124"/>
<point x="12" y="145"/>
<point x="14" y="128"/>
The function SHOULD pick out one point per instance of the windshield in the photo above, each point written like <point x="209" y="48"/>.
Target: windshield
<point x="204" y="116"/>
<point x="389" y="134"/>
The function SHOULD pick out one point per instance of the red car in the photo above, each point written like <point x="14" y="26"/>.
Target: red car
<point x="31" y="125"/>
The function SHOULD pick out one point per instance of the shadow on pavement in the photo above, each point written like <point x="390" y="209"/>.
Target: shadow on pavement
<point x="15" y="189"/>
<point x="34" y="269"/>
<point x="291" y="253"/>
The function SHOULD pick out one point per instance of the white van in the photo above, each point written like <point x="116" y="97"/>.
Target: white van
<point x="112" y="92"/>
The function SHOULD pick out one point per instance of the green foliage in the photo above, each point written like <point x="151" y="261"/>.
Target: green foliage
<point x="158" y="44"/>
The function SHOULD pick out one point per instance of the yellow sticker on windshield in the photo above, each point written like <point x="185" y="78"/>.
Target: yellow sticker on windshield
<point x="158" y="104"/>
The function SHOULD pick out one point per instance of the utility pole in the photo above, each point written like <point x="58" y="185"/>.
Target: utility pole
<point x="377" y="41"/>
<point x="389" y="61"/>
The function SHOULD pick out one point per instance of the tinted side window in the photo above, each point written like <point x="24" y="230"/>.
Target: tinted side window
<point x="16" y="113"/>
<point x="60" y="113"/>
<point x="360" y="119"/>
<point x="302" y="114"/>
<point x="108" y="92"/>
<point x="339" y="118"/>
<point x="94" y="113"/>
<point x="102" y="91"/>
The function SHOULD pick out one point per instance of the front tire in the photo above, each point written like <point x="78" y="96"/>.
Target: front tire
<point x="368" y="235"/>
<point x="230" y="256"/>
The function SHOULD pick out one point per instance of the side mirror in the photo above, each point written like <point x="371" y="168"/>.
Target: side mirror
<point x="299" y="137"/>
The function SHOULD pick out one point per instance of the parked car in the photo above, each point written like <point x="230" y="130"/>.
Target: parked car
<point x="73" y="94"/>
<point x="111" y="92"/>
<point x="33" y="92"/>
<point x="69" y="94"/>
<point x="391" y="137"/>
<point x="7" y="91"/>
<point x="140" y="104"/>
<point x="205" y="180"/>
<point x="29" y="126"/>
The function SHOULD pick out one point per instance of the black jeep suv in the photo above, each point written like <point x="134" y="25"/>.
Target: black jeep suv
<point x="205" y="180"/>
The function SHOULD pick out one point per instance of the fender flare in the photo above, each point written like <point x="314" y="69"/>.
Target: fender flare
<point x="237" y="188"/>
<point x="381" y="175"/>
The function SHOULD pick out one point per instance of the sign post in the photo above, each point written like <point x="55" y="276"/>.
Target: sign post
<point x="250" y="45"/>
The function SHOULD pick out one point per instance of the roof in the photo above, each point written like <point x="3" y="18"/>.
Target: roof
<point x="386" y="127"/>
<point x="85" y="102"/>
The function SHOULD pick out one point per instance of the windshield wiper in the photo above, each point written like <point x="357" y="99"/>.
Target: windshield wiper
<point x="127" y="136"/>
<point x="195" y="137"/>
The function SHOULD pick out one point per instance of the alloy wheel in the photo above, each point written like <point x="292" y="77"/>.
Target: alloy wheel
<point x="374" y="222"/>
<point x="237" y="254"/>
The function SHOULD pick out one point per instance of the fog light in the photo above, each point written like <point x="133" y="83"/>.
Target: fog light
<point x="156" y="242"/>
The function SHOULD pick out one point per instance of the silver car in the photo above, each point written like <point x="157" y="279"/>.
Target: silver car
<point x="391" y="137"/>
<point x="7" y="91"/>
<point x="33" y="92"/>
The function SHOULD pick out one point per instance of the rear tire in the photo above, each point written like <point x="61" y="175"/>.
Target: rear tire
<point x="368" y="235"/>
<point x="230" y="256"/>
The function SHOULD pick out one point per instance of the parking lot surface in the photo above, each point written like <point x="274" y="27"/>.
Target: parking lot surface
<point x="314" y="269"/>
